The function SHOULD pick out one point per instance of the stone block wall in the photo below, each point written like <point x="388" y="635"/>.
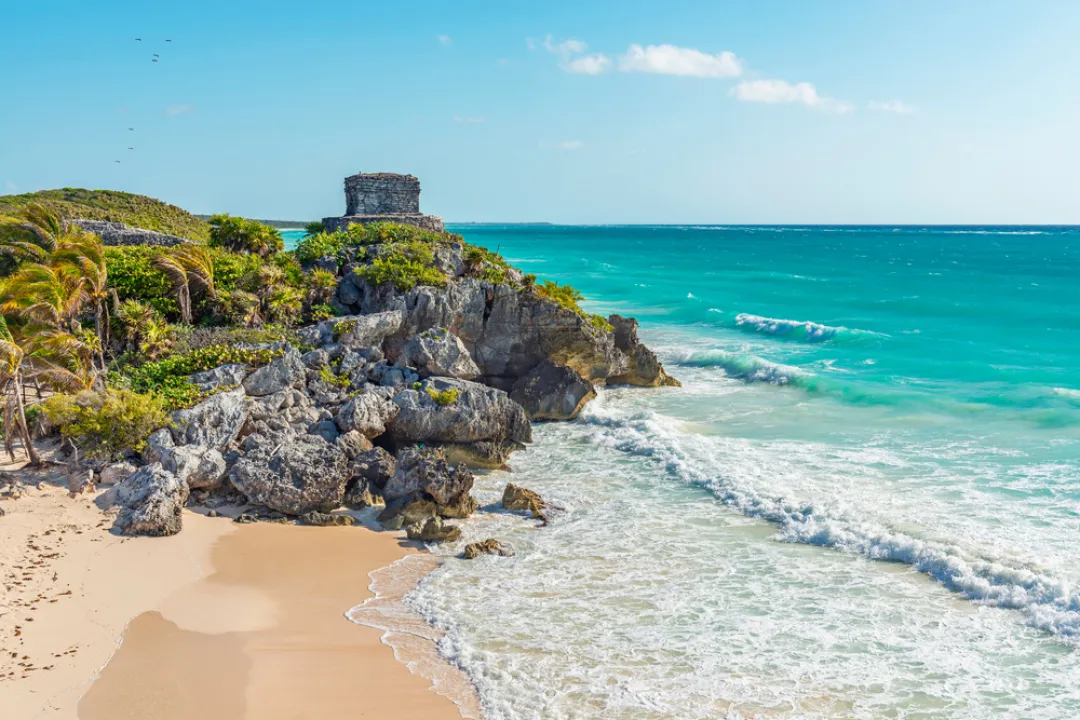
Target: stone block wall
<point x="382" y="194"/>
<point x="117" y="233"/>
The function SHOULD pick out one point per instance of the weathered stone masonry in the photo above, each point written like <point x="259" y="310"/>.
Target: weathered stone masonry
<point x="117" y="233"/>
<point x="382" y="197"/>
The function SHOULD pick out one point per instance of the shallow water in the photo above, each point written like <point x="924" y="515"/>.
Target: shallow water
<point x="863" y="503"/>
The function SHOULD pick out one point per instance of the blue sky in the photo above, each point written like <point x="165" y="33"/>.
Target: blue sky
<point x="567" y="110"/>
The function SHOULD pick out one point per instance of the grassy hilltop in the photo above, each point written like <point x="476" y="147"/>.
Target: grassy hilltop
<point x="135" y="210"/>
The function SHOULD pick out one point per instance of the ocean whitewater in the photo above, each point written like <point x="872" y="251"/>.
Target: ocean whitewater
<point x="864" y="502"/>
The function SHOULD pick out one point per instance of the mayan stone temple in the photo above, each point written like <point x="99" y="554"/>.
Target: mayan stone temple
<point x="382" y="197"/>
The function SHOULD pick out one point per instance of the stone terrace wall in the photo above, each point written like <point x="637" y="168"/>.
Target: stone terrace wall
<point x="427" y="222"/>
<point x="382" y="194"/>
<point x="117" y="233"/>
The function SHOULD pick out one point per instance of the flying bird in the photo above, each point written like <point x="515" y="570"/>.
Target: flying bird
<point x="168" y="41"/>
<point x="154" y="60"/>
<point x="156" y="55"/>
<point x="131" y="148"/>
<point x="116" y="161"/>
<point x="138" y="39"/>
<point x="131" y="128"/>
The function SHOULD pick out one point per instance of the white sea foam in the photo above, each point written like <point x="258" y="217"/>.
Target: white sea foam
<point x="1048" y="602"/>
<point x="802" y="329"/>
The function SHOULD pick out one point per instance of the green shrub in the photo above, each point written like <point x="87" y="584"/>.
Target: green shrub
<point x="189" y="339"/>
<point x="134" y="276"/>
<point x="568" y="298"/>
<point x="315" y="227"/>
<point x="327" y="376"/>
<point x="322" y="311"/>
<point x="443" y="397"/>
<point x="168" y="378"/>
<point x="239" y="234"/>
<point x="315" y="247"/>
<point x="405" y="265"/>
<point x="104" y="424"/>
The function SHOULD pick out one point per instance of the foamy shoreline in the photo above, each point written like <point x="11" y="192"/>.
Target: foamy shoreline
<point x="220" y="621"/>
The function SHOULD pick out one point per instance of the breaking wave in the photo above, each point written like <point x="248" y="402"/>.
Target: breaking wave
<point x="803" y="330"/>
<point x="1047" y="602"/>
<point x="748" y="368"/>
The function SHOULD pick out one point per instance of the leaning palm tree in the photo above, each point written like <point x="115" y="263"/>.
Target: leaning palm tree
<point x="12" y="365"/>
<point x="181" y="283"/>
<point x="49" y="294"/>
<point x="81" y="256"/>
<point x="33" y="235"/>
<point x="188" y="268"/>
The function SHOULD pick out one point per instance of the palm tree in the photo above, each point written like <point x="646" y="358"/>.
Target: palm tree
<point x="188" y="267"/>
<point x="34" y="237"/>
<point x="12" y="360"/>
<point x="83" y="256"/>
<point x="48" y="294"/>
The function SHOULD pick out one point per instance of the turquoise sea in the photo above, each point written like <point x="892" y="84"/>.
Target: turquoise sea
<point x="864" y="502"/>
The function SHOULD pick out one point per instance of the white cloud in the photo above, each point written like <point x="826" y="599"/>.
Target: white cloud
<point x="893" y="106"/>
<point x="673" y="60"/>
<point x="444" y="40"/>
<point x="570" y="145"/>
<point x="470" y="120"/>
<point x="588" y="65"/>
<point x="530" y="43"/>
<point x="781" y="91"/>
<point x="568" y="52"/>
<point x="179" y="110"/>
<point x="11" y="187"/>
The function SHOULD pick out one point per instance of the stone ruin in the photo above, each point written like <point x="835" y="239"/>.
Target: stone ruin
<point x="382" y="197"/>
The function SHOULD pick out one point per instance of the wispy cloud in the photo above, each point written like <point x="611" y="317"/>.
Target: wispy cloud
<point x="11" y="187"/>
<point x="777" y="92"/>
<point x="179" y="110"/>
<point x="470" y="120"/>
<point x="570" y="145"/>
<point x="444" y="40"/>
<point x="674" y="60"/>
<point x="893" y="106"/>
<point x="572" y="57"/>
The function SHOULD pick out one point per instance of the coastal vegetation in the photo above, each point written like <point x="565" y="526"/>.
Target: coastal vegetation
<point x="101" y="342"/>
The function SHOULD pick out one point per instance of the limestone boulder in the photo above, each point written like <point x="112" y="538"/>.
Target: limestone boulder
<point x="353" y="444"/>
<point x="151" y="502"/>
<point x="519" y="498"/>
<point x="439" y="352"/>
<point x="156" y="444"/>
<point x="433" y="530"/>
<point x="552" y="392"/>
<point x="215" y="422"/>
<point x="461" y="415"/>
<point x="321" y="519"/>
<point x="293" y="474"/>
<point x="376" y="466"/>
<point x="282" y="373"/>
<point x="116" y="473"/>
<point x="424" y="473"/>
<point x="643" y="369"/>
<point x="229" y="375"/>
<point x="491" y="546"/>
<point x="368" y="412"/>
<point x="354" y="331"/>
<point x="360" y="493"/>
<point x="202" y="468"/>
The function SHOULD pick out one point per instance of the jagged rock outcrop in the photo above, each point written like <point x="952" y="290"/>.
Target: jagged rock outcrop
<point x="433" y="530"/>
<point x="376" y="466"/>
<point x="214" y="423"/>
<point x="281" y="373"/>
<point x="116" y="472"/>
<point x="474" y="422"/>
<point x="369" y="413"/>
<point x="644" y="369"/>
<point x="202" y="468"/>
<point x="552" y="392"/>
<point x="293" y="474"/>
<point x="151" y="502"/>
<point x="320" y="519"/>
<point x="229" y="375"/>
<point x="491" y="546"/>
<point x="438" y="352"/>
<point x="158" y="442"/>
<point x="425" y="474"/>
<point x="519" y="498"/>
<point x="353" y="331"/>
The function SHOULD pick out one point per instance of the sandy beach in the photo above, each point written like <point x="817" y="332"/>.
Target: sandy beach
<point x="220" y="621"/>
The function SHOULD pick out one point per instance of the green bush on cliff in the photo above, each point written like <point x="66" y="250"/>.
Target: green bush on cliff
<point x="443" y="398"/>
<point x="134" y="276"/>
<point x="104" y="424"/>
<point x="315" y="247"/>
<point x="405" y="265"/>
<point x="568" y="298"/>
<point x="241" y="235"/>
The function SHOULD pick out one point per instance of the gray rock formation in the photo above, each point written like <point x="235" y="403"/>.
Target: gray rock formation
<point x="433" y="530"/>
<point x="368" y="412"/>
<point x="552" y="392"/>
<point x="202" y="468"/>
<point x="327" y="519"/>
<point x="215" y="422"/>
<point x="151" y="502"/>
<point x="282" y="373"/>
<point x="438" y="352"/>
<point x="293" y="474"/>
<point x="425" y="474"/>
<point x="117" y="233"/>
<point x="376" y="467"/>
<point x="156" y="444"/>
<point x="117" y="472"/>
<point x="229" y="375"/>
<point x="480" y="424"/>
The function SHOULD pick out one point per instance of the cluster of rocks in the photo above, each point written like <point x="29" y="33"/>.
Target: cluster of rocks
<point x="117" y="233"/>
<point x="389" y="405"/>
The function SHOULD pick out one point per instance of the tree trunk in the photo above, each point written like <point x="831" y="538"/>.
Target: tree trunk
<point x="20" y="419"/>
<point x="184" y="300"/>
